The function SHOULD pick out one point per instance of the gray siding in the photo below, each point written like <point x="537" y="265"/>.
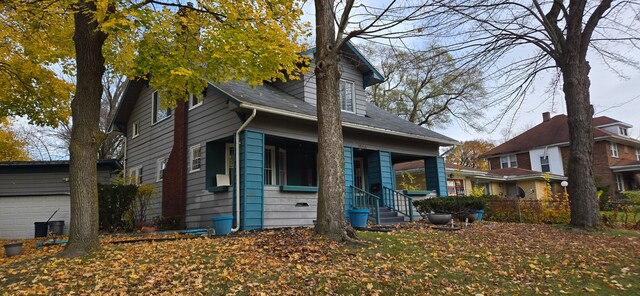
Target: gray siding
<point x="40" y="183"/>
<point x="153" y="142"/>
<point x="205" y="205"/>
<point x="280" y="208"/>
<point x="349" y="73"/>
<point x="210" y="121"/>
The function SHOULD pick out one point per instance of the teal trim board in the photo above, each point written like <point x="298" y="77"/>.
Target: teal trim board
<point x="348" y="178"/>
<point x="435" y="174"/>
<point x="386" y="175"/>
<point x="251" y="180"/>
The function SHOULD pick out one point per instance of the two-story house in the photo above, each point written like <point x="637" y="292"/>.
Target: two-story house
<point x="545" y="148"/>
<point x="250" y="152"/>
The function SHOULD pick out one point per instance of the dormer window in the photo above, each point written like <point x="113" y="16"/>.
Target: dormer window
<point x="623" y="131"/>
<point x="347" y="96"/>
<point x="509" y="161"/>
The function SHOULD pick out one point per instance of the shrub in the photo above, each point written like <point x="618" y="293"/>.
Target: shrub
<point x="450" y="205"/>
<point x="604" y="198"/>
<point x="114" y="200"/>
<point x="167" y="223"/>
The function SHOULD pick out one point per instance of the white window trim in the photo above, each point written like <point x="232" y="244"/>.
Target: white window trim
<point x="135" y="131"/>
<point x="619" y="182"/>
<point x="154" y="107"/>
<point x="282" y="166"/>
<point x="135" y="172"/>
<point x="159" y="169"/>
<point x="637" y="153"/>
<point x="353" y="96"/>
<point x="510" y="158"/>
<point x="614" y="150"/>
<point x="227" y="157"/>
<point x="542" y="165"/>
<point x="623" y="131"/>
<point x="273" y="164"/>
<point x="191" y="98"/>
<point x="191" y="158"/>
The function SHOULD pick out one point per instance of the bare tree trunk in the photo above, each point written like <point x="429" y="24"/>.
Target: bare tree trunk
<point x="330" y="218"/>
<point x="581" y="189"/>
<point x="85" y="108"/>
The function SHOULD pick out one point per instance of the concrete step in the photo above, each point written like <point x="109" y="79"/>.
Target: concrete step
<point x="391" y="220"/>
<point x="388" y="214"/>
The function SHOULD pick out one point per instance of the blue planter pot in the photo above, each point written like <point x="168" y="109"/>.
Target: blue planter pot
<point x="358" y="217"/>
<point x="222" y="224"/>
<point x="479" y="212"/>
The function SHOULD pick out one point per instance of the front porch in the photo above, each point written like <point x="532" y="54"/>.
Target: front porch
<point x="278" y="180"/>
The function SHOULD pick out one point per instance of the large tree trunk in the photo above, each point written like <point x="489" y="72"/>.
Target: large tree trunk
<point x="581" y="189"/>
<point x="85" y="110"/>
<point x="331" y="187"/>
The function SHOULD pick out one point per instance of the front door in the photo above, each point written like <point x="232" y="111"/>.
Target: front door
<point x="358" y="165"/>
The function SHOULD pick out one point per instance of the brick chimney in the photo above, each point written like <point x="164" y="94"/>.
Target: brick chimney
<point x="174" y="180"/>
<point x="546" y="116"/>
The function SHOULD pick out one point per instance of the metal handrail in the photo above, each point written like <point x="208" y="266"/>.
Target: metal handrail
<point x="398" y="202"/>
<point x="365" y="200"/>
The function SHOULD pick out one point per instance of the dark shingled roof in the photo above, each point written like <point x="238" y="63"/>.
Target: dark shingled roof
<point x="270" y="96"/>
<point x="553" y="131"/>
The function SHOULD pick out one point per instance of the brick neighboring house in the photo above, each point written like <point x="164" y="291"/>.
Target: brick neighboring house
<point x="545" y="148"/>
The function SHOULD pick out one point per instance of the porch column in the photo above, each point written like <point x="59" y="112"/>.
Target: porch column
<point x="348" y="179"/>
<point x="434" y="172"/>
<point x="251" y="180"/>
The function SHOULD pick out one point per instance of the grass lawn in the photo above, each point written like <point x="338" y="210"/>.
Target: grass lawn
<point x="488" y="259"/>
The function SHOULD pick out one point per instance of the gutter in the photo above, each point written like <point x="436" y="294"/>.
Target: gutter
<point x="237" y="167"/>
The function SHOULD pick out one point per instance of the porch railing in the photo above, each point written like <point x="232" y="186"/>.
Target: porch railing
<point x="365" y="200"/>
<point x="398" y="202"/>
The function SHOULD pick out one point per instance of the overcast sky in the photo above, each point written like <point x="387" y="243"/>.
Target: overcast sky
<point x="611" y="95"/>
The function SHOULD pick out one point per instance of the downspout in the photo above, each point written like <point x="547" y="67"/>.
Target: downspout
<point x="124" y="159"/>
<point x="237" y="167"/>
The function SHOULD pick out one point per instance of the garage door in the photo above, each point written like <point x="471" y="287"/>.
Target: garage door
<point x="17" y="214"/>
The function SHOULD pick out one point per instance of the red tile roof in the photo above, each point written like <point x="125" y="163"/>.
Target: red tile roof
<point x="602" y="120"/>
<point x="553" y="131"/>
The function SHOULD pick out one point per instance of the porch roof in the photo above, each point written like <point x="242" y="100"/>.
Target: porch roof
<point x="513" y="174"/>
<point x="626" y="166"/>
<point x="268" y="98"/>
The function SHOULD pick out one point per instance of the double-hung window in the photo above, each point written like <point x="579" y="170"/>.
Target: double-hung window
<point x="158" y="113"/>
<point x="637" y="153"/>
<point x="614" y="150"/>
<point x="195" y="158"/>
<point x="135" y="129"/>
<point x="347" y="96"/>
<point x="135" y="175"/>
<point x="269" y="165"/>
<point x="161" y="165"/>
<point x="195" y="100"/>
<point x="544" y="164"/>
<point x="509" y="161"/>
